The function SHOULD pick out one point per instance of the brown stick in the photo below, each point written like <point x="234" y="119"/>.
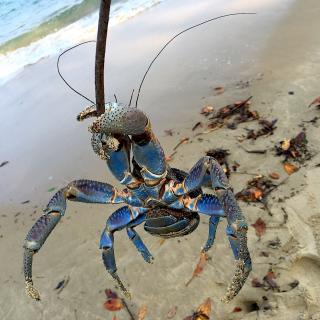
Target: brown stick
<point x="100" y="54"/>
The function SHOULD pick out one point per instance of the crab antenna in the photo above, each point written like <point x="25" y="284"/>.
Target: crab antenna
<point x="131" y="97"/>
<point x="61" y="76"/>
<point x="177" y="35"/>
<point x="115" y="98"/>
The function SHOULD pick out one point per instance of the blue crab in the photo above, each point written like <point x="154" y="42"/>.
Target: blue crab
<point x="167" y="200"/>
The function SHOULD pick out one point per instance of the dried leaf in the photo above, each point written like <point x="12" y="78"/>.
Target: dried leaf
<point x="295" y="148"/>
<point x="290" y="168"/>
<point x="256" y="190"/>
<point x="260" y="227"/>
<point x="172" y="312"/>
<point x="315" y="101"/>
<point x="252" y="194"/>
<point x="110" y="294"/>
<point x="206" y="110"/>
<point x="274" y="175"/>
<point x="205" y="308"/>
<point x="142" y="312"/>
<point x="269" y="280"/>
<point x="237" y="309"/>
<point x="162" y="241"/>
<point x="285" y="144"/>
<point x="182" y="141"/>
<point x="199" y="268"/>
<point x="113" y="304"/>
<point x="197" y="125"/>
<point x="114" y="318"/>
<point x="169" y="158"/>
<point x="256" y="283"/>
<point x="202" y="312"/>
<point x="218" y="90"/>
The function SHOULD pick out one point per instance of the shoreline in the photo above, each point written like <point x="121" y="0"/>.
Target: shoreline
<point x="47" y="148"/>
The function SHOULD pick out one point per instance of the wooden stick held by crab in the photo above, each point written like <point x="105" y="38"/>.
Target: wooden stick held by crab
<point x="167" y="200"/>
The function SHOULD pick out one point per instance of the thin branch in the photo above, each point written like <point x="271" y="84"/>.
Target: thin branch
<point x="100" y="54"/>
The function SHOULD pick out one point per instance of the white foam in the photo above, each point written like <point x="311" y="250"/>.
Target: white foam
<point x="84" y="29"/>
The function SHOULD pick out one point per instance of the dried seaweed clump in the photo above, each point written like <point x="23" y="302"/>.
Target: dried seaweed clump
<point x="267" y="129"/>
<point x="233" y="114"/>
<point x="257" y="189"/>
<point x="294" y="149"/>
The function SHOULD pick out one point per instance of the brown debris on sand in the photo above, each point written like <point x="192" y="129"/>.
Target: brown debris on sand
<point x="267" y="128"/>
<point x="256" y="190"/>
<point x="237" y="112"/>
<point x="294" y="149"/>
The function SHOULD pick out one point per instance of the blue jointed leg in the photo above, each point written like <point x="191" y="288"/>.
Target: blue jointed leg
<point x="224" y="197"/>
<point x="135" y="238"/>
<point x="79" y="190"/>
<point x="198" y="176"/>
<point x="213" y="223"/>
<point x="120" y="219"/>
<point x="237" y="234"/>
<point x="208" y="204"/>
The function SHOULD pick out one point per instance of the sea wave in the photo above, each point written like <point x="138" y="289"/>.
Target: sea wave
<point x="72" y="26"/>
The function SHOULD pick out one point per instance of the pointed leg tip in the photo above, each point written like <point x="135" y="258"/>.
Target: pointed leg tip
<point x="32" y="292"/>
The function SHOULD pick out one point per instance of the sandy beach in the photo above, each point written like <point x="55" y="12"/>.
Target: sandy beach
<point x="273" y="56"/>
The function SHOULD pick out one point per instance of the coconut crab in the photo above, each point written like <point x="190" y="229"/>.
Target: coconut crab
<point x="167" y="200"/>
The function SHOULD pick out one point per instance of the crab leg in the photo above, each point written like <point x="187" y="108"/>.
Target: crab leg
<point x="213" y="223"/>
<point x="237" y="233"/>
<point x="79" y="190"/>
<point x="237" y="227"/>
<point x="135" y="238"/>
<point x="121" y="218"/>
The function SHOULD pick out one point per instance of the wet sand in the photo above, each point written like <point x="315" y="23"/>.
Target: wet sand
<point x="277" y="51"/>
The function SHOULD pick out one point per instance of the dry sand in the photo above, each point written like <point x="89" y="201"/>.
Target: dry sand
<point x="277" y="52"/>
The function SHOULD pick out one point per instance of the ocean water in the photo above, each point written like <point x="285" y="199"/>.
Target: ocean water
<point x="31" y="30"/>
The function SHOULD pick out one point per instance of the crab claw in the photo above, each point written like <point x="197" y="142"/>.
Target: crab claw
<point x="102" y="144"/>
<point x="119" y="119"/>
